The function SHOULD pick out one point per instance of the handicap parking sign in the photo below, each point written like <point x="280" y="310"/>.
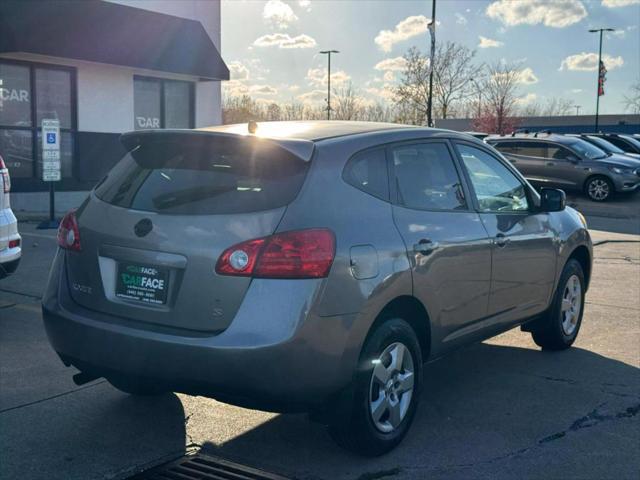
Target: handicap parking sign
<point x="51" y="138"/>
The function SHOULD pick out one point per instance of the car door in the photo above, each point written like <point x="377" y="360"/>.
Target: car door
<point x="524" y="250"/>
<point x="447" y="244"/>
<point x="564" y="166"/>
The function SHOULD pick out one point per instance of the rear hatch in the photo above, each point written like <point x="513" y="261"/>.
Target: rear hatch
<point x="153" y="229"/>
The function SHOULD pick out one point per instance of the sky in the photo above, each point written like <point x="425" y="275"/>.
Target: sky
<point x="271" y="47"/>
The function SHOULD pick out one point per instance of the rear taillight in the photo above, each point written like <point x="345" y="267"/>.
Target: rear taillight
<point x="6" y="179"/>
<point x="296" y="254"/>
<point x="69" y="233"/>
<point x="14" y="243"/>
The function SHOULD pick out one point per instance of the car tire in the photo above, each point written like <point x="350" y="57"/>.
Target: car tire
<point x="599" y="188"/>
<point x="561" y="324"/>
<point x="136" y="386"/>
<point x="385" y="384"/>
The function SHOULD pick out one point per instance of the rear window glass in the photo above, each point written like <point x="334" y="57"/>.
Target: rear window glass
<point x="204" y="176"/>
<point x="367" y="171"/>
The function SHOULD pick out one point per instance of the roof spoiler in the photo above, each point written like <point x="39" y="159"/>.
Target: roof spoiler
<point x="302" y="149"/>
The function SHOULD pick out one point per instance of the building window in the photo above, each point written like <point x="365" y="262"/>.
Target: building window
<point x="30" y="93"/>
<point x="161" y="103"/>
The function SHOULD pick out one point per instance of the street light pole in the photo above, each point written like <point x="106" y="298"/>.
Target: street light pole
<point x="599" y="30"/>
<point x="432" y="31"/>
<point x="328" y="54"/>
<point x="578" y="107"/>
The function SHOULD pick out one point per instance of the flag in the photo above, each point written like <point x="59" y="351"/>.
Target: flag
<point x="602" y="77"/>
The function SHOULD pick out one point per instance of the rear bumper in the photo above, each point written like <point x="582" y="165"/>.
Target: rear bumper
<point x="294" y="371"/>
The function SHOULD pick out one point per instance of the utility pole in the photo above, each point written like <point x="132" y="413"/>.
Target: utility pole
<point x="432" y="32"/>
<point x="599" y="30"/>
<point x="328" y="54"/>
<point x="578" y="107"/>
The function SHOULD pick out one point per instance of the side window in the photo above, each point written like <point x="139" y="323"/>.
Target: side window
<point x="426" y="177"/>
<point x="367" y="171"/>
<point x="532" y="149"/>
<point x="506" y="147"/>
<point x="497" y="188"/>
<point x="556" y="152"/>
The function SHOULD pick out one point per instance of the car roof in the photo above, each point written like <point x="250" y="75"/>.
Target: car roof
<point x="533" y="136"/>
<point x="313" y="130"/>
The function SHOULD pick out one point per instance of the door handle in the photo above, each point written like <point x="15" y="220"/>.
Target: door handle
<point x="425" y="246"/>
<point x="501" y="240"/>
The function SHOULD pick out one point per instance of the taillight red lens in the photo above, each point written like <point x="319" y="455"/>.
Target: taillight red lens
<point x="14" y="243"/>
<point x="296" y="254"/>
<point x="69" y="233"/>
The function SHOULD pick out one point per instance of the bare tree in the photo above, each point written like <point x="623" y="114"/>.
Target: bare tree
<point x="348" y="105"/>
<point x="632" y="100"/>
<point x="413" y="91"/>
<point x="556" y="106"/>
<point x="274" y="112"/>
<point x="500" y="89"/>
<point x="453" y="72"/>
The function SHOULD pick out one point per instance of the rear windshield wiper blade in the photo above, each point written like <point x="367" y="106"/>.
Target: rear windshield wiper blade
<point x="188" y="195"/>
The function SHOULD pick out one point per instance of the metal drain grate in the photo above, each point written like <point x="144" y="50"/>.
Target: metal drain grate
<point x="205" y="467"/>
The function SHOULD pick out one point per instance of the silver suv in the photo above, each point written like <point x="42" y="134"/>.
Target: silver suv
<point x="570" y="163"/>
<point x="312" y="266"/>
<point x="10" y="241"/>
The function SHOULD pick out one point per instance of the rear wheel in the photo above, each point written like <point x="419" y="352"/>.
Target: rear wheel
<point x="559" y="329"/>
<point x="386" y="391"/>
<point x="599" y="189"/>
<point x="136" y="386"/>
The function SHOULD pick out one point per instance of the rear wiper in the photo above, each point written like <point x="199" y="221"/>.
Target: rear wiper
<point x="188" y="195"/>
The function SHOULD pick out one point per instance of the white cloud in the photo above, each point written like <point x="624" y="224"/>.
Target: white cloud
<point x="317" y="77"/>
<point x="619" y="3"/>
<point x="461" y="19"/>
<point x="393" y="64"/>
<point x="235" y="88"/>
<point x="576" y="90"/>
<point x="407" y="28"/>
<point x="385" y="92"/>
<point x="283" y="40"/>
<point x="527" y="76"/>
<point x="306" y="4"/>
<point x="488" y="43"/>
<point x="278" y="13"/>
<point x="313" y="96"/>
<point x="262" y="90"/>
<point x="526" y="99"/>
<point x="551" y="13"/>
<point x="389" y="76"/>
<point x="238" y="71"/>
<point x="588" y="62"/>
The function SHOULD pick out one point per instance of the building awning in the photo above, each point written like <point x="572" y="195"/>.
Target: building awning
<point x="111" y="33"/>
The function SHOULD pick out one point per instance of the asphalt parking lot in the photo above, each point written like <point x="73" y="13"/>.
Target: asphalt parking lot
<point x="499" y="409"/>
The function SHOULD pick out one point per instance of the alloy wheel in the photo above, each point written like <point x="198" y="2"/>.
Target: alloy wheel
<point x="571" y="305"/>
<point x="391" y="387"/>
<point x="598" y="189"/>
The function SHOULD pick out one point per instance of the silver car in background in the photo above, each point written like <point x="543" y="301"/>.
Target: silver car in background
<point x="309" y="266"/>
<point x="571" y="163"/>
<point x="10" y="241"/>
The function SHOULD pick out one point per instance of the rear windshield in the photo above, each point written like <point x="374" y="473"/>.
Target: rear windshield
<point x="203" y="176"/>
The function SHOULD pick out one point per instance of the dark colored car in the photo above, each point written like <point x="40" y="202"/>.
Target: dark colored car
<point x="605" y="145"/>
<point x="627" y="143"/>
<point x="313" y="266"/>
<point x="548" y="159"/>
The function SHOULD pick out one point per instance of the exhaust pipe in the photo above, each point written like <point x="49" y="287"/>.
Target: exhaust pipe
<point x="84" y="377"/>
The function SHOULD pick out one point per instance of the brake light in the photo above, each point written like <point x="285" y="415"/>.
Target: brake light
<point x="69" y="233"/>
<point x="6" y="179"/>
<point x="297" y="254"/>
<point x="14" y="243"/>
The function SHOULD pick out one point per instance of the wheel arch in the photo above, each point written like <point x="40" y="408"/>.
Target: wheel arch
<point x="582" y="255"/>
<point x="598" y="175"/>
<point x="410" y="309"/>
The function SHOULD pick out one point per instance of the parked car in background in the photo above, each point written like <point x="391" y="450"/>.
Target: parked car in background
<point x="628" y="143"/>
<point x="570" y="163"/>
<point x="603" y="144"/>
<point x="231" y="268"/>
<point x="478" y="135"/>
<point x="10" y="241"/>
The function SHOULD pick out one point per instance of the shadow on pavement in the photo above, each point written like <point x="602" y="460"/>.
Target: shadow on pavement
<point x="480" y="405"/>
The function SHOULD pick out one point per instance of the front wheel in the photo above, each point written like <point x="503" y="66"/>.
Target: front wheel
<point x="599" y="189"/>
<point x="559" y="329"/>
<point x="386" y="391"/>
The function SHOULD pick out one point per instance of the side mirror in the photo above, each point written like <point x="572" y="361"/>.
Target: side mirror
<point x="552" y="200"/>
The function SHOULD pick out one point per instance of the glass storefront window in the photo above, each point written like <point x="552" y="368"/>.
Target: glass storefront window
<point x="17" y="151"/>
<point x="161" y="103"/>
<point x="15" y="95"/>
<point x="53" y="96"/>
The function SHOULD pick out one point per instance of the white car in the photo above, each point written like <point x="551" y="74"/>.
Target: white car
<point x="10" y="241"/>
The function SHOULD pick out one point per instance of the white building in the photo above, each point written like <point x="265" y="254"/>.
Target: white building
<point x="101" y="68"/>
